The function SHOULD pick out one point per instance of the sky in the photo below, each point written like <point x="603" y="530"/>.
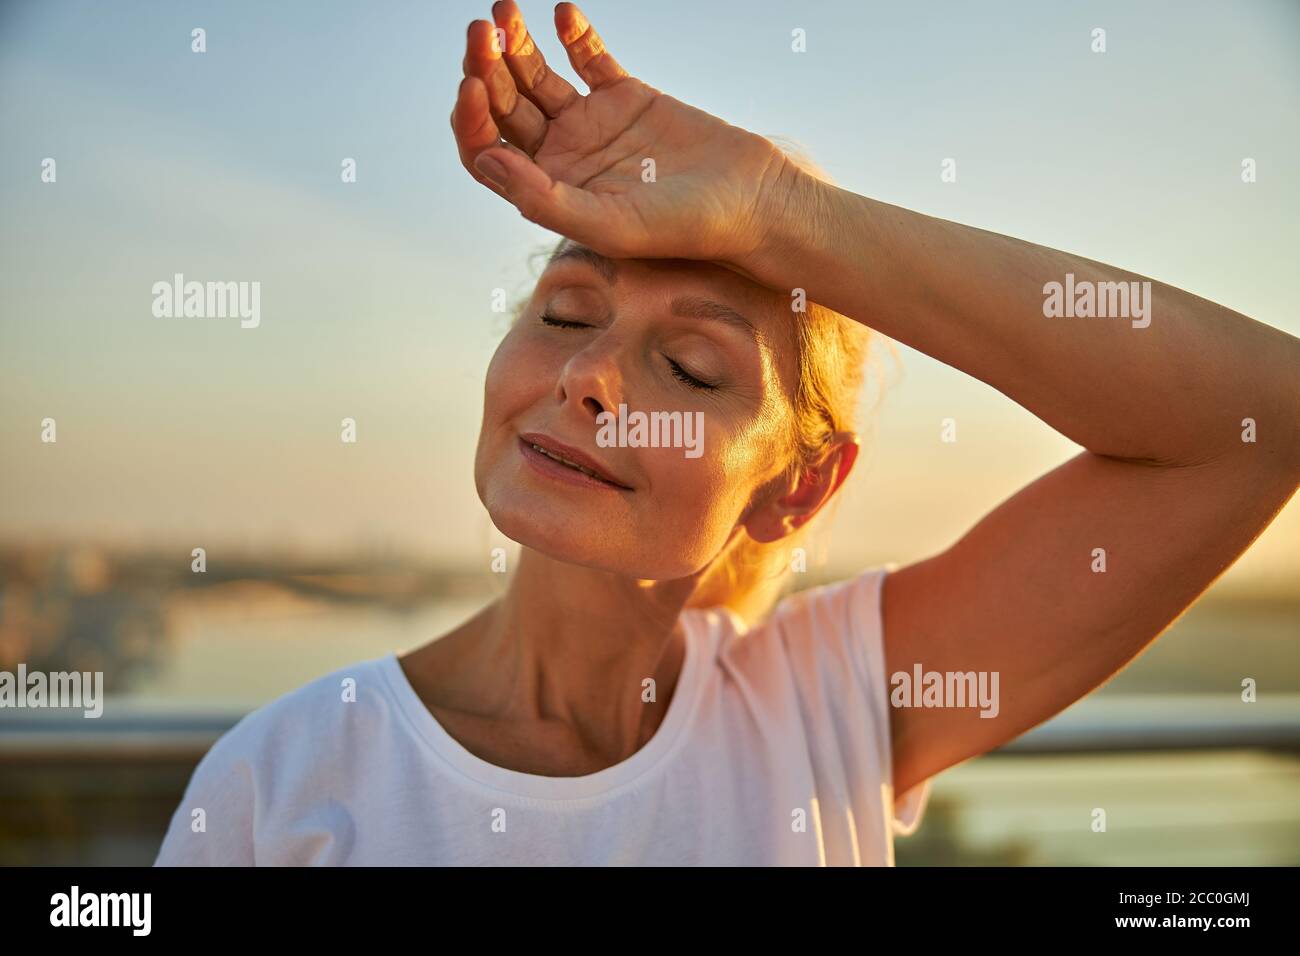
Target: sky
<point x="376" y="295"/>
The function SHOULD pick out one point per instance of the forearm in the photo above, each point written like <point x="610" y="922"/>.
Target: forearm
<point x="1169" y="382"/>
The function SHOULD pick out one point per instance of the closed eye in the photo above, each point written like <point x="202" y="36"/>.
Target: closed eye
<point x="557" y="322"/>
<point x="682" y="375"/>
<point x="679" y="373"/>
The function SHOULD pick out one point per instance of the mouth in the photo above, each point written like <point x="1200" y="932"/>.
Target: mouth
<point x="566" y="463"/>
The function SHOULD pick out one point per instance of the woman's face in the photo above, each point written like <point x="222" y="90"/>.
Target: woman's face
<point x="655" y="336"/>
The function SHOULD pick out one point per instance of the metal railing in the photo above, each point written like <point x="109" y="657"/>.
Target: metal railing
<point x="1098" y="725"/>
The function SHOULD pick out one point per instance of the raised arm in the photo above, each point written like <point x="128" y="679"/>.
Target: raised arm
<point x="1169" y="489"/>
<point x="1159" y="396"/>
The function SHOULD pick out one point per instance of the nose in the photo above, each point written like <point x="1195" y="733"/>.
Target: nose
<point x="591" y="380"/>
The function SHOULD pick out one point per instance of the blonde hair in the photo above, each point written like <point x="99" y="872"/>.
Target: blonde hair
<point x="832" y="352"/>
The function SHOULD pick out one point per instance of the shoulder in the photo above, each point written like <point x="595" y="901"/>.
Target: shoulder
<point x="829" y="635"/>
<point x="256" y="767"/>
<point x="853" y="603"/>
<point x="331" y="708"/>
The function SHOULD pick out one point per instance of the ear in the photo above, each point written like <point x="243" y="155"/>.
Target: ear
<point x="791" y="507"/>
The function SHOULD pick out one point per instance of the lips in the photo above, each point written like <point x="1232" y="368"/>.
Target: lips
<point x="563" y="460"/>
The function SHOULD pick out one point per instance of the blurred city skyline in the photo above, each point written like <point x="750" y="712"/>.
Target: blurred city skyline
<point x="376" y="295"/>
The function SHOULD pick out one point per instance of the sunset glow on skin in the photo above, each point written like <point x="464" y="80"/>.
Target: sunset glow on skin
<point x="969" y="298"/>
<point x="450" y="440"/>
<point x="680" y="513"/>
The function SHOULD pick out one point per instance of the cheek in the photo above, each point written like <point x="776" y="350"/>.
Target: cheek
<point x="515" y="375"/>
<point x="512" y="382"/>
<point x="700" y="501"/>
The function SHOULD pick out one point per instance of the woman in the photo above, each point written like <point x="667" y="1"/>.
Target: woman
<point x="633" y="697"/>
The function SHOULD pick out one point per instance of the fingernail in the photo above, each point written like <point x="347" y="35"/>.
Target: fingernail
<point x="492" y="169"/>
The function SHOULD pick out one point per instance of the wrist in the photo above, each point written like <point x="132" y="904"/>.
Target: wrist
<point x="790" y="222"/>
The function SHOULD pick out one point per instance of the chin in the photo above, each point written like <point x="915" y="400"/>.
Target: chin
<point x="582" y="540"/>
<point x="567" y="534"/>
<point x="558" y="540"/>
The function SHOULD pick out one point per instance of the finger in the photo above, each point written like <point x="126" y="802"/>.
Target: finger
<point x="586" y="49"/>
<point x="537" y="81"/>
<point x="472" y="125"/>
<point x="556" y="205"/>
<point x="518" y="119"/>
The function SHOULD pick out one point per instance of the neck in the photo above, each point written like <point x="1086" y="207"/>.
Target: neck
<point x="573" y="645"/>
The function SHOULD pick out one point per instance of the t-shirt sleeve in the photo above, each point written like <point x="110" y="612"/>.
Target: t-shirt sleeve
<point x="213" y="825"/>
<point x="867" y="608"/>
<point x="859" y="600"/>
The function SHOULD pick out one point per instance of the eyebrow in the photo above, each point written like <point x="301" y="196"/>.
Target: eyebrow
<point x="602" y="264"/>
<point x="696" y="307"/>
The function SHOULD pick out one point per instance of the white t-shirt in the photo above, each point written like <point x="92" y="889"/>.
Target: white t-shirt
<point x="774" y="750"/>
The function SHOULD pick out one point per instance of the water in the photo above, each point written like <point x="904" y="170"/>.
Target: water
<point x="228" y="649"/>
